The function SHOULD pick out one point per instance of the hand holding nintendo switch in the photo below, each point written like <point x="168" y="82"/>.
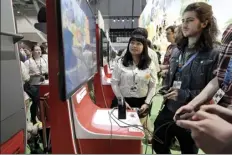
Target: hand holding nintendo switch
<point x="185" y="112"/>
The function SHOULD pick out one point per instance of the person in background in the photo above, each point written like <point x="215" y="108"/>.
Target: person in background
<point x="37" y="65"/>
<point x="191" y="68"/>
<point x="157" y="50"/>
<point x="133" y="78"/>
<point x="119" y="55"/>
<point x="44" y="53"/>
<point x="178" y="33"/>
<point x="171" y="38"/>
<point x="32" y="91"/>
<point x="22" y="57"/>
<point x="45" y="45"/>
<point x="24" y="54"/>
<point x="28" y="52"/>
<point x="120" y="52"/>
<point x="155" y="59"/>
<point x="211" y="129"/>
<point x="222" y="81"/>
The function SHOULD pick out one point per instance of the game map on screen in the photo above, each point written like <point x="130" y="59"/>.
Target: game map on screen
<point x="79" y="43"/>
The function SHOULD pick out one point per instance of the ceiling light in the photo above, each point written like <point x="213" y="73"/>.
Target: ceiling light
<point x="114" y="20"/>
<point x="18" y="12"/>
<point x="123" y="20"/>
<point x="133" y="20"/>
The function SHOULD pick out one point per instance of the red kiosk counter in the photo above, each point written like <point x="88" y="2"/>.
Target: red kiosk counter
<point x="99" y="131"/>
<point x="77" y="124"/>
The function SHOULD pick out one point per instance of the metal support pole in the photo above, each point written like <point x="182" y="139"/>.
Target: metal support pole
<point x="41" y="2"/>
<point x="36" y="6"/>
<point x="132" y="23"/>
<point x="38" y="32"/>
<point x="28" y="20"/>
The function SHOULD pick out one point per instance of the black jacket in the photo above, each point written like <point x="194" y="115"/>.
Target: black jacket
<point x="194" y="77"/>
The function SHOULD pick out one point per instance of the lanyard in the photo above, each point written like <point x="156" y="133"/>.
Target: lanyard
<point x="228" y="75"/>
<point x="39" y="66"/>
<point x="180" y="69"/>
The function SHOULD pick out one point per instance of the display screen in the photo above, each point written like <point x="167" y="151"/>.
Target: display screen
<point x="77" y="28"/>
<point x="112" y="54"/>
<point x="104" y="50"/>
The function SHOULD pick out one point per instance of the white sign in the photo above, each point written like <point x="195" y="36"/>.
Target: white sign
<point x="81" y="95"/>
<point x="122" y="39"/>
<point x="101" y="23"/>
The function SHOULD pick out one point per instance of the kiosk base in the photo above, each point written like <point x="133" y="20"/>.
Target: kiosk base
<point x="109" y="146"/>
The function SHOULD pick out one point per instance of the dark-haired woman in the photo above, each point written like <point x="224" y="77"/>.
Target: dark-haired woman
<point x="133" y="77"/>
<point x="37" y="65"/>
<point x="44" y="51"/>
<point x="191" y="68"/>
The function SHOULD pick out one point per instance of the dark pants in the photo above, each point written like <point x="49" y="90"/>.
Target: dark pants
<point x="164" y="133"/>
<point x="132" y="101"/>
<point x="33" y="93"/>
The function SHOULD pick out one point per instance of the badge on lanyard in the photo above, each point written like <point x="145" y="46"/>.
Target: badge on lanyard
<point x="177" y="84"/>
<point x="228" y="76"/>
<point x="226" y="82"/>
<point x="218" y="96"/>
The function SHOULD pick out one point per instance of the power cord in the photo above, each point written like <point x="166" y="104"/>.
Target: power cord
<point x="130" y="125"/>
<point x="138" y="127"/>
<point x="142" y="128"/>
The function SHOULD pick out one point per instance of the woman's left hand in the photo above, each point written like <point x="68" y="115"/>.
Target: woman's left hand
<point x="144" y="107"/>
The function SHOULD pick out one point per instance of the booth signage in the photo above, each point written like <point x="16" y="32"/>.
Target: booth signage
<point x="122" y="39"/>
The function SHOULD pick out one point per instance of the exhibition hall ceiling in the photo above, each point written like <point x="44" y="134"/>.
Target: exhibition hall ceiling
<point x="27" y="7"/>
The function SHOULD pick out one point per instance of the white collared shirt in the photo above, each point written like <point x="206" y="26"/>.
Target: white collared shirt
<point x="45" y="56"/>
<point x="124" y="78"/>
<point x="37" y="66"/>
<point x="25" y="72"/>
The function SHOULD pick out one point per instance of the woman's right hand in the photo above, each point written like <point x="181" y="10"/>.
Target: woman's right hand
<point x="185" y="112"/>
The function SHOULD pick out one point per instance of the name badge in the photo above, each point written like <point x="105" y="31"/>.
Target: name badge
<point x="177" y="84"/>
<point x="218" y="96"/>
<point x="147" y="76"/>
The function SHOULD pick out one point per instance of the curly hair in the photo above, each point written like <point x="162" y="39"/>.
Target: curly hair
<point x="209" y="34"/>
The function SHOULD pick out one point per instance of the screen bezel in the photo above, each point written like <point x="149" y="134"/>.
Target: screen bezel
<point x="109" y="48"/>
<point x="61" y="75"/>
<point x="102" y="36"/>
